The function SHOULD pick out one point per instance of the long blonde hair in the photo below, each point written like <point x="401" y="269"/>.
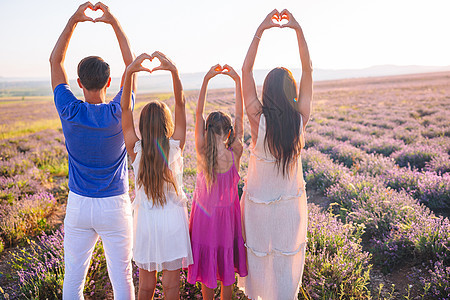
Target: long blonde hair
<point x="217" y="123"/>
<point x="156" y="128"/>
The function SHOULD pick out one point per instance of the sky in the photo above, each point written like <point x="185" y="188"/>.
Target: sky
<point x="196" y="34"/>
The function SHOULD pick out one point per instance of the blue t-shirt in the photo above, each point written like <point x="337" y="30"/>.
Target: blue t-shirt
<point x="94" y="140"/>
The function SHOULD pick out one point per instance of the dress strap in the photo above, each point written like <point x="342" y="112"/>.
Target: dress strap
<point x="232" y="155"/>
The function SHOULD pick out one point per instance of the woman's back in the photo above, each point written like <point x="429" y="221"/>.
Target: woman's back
<point x="274" y="207"/>
<point x="265" y="179"/>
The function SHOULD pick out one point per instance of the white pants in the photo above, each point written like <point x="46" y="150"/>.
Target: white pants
<point x="87" y="219"/>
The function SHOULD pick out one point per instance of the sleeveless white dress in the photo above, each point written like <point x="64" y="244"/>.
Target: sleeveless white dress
<point x="273" y="207"/>
<point x="161" y="234"/>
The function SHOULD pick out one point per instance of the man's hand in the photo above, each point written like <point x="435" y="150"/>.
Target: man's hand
<point x="107" y="17"/>
<point x="80" y="16"/>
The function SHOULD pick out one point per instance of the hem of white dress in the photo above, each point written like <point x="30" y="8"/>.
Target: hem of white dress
<point x="250" y="296"/>
<point x="180" y="263"/>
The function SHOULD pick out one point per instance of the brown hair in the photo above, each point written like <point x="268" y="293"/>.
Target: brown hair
<point x="282" y="138"/>
<point x="217" y="124"/>
<point x="93" y="72"/>
<point x="156" y="128"/>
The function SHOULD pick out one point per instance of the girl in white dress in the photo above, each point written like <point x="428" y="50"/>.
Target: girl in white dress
<point x="161" y="233"/>
<point x="274" y="207"/>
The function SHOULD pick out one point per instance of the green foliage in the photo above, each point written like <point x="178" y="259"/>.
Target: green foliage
<point x="190" y="171"/>
<point x="336" y="267"/>
<point x="25" y="218"/>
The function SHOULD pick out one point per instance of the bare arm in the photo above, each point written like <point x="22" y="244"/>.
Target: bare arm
<point x="252" y="104"/>
<point x="180" y="104"/>
<point x="305" y="93"/>
<point x="239" y="114"/>
<point x="199" y="117"/>
<point x="58" y="73"/>
<point x="129" y="132"/>
<point x="124" y="44"/>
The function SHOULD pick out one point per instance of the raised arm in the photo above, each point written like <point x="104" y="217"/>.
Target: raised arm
<point x="239" y="113"/>
<point x="180" y="104"/>
<point x="252" y="104"/>
<point x="58" y="73"/>
<point x="124" y="44"/>
<point x="305" y="93"/>
<point x="129" y="132"/>
<point x="199" y="118"/>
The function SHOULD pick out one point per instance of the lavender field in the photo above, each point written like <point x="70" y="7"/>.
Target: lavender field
<point x="377" y="167"/>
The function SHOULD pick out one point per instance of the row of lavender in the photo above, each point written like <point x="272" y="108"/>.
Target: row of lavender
<point x="33" y="186"/>
<point x="377" y="219"/>
<point x="423" y="171"/>
<point x="397" y="231"/>
<point x="40" y="270"/>
<point x="381" y="156"/>
<point x="406" y="122"/>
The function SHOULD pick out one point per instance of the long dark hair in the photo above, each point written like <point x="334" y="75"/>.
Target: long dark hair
<point x="217" y="124"/>
<point x="156" y="128"/>
<point x="279" y="99"/>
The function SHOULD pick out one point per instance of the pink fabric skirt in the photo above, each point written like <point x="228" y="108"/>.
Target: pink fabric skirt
<point x="216" y="233"/>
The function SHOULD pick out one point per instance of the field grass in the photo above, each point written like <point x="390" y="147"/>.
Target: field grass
<point x="21" y="128"/>
<point x="377" y="168"/>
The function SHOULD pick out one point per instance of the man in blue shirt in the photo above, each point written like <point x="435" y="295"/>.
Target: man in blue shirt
<point x="98" y="202"/>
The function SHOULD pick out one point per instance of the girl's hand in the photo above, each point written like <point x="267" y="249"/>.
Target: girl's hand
<point x="166" y="63"/>
<point x="268" y="21"/>
<point x="136" y="65"/>
<point x="216" y="69"/>
<point x="292" y="23"/>
<point x="230" y="72"/>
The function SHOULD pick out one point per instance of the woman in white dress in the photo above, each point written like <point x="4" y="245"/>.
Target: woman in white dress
<point x="274" y="201"/>
<point x="161" y="233"/>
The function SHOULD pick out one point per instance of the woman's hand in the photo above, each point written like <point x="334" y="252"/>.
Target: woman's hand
<point x="268" y="21"/>
<point x="292" y="23"/>
<point x="166" y="63"/>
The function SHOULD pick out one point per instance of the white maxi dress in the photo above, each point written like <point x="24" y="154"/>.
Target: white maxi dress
<point x="272" y="214"/>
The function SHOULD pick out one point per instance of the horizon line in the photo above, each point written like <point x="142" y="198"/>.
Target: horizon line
<point x="45" y="78"/>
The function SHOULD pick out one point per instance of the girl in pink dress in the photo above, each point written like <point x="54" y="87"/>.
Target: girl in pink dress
<point x="215" y="223"/>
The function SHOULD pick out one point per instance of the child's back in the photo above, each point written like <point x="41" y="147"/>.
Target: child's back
<point x="161" y="232"/>
<point x="215" y="223"/>
<point x="161" y="235"/>
<point x="215" y="228"/>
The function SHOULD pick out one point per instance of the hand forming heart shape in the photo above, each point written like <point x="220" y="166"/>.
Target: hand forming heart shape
<point x="93" y="13"/>
<point x="280" y="19"/>
<point x="219" y="68"/>
<point x="151" y="64"/>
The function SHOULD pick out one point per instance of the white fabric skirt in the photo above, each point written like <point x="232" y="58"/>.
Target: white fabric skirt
<point x="161" y="236"/>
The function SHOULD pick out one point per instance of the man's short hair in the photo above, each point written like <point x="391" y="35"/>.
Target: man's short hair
<point x="93" y="72"/>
